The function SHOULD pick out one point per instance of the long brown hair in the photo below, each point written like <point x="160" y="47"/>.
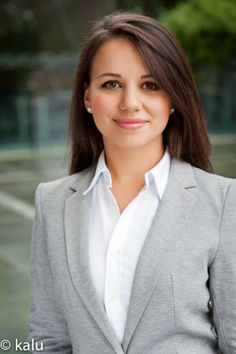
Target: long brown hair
<point x="186" y="134"/>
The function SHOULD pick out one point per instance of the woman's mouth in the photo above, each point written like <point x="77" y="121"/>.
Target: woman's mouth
<point x="130" y="124"/>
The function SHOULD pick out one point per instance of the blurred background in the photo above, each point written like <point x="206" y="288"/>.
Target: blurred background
<point x="39" y="49"/>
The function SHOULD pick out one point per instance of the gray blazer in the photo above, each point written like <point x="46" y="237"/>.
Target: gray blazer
<point x="183" y="298"/>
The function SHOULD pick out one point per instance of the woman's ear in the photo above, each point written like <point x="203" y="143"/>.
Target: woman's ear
<point x="87" y="101"/>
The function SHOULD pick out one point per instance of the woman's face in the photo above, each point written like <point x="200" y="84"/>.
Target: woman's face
<point x="127" y="105"/>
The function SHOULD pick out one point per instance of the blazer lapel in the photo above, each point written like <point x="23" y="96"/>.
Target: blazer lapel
<point x="77" y="212"/>
<point x="173" y="211"/>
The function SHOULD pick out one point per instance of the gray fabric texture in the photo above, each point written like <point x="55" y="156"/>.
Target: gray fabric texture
<point x="183" y="297"/>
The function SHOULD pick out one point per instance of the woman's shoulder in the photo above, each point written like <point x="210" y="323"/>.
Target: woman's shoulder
<point x="65" y="186"/>
<point x="212" y="179"/>
<point x="214" y="185"/>
<point x="185" y="171"/>
<point x="208" y="185"/>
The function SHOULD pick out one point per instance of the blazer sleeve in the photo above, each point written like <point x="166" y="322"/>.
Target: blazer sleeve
<point x="223" y="277"/>
<point x="47" y="326"/>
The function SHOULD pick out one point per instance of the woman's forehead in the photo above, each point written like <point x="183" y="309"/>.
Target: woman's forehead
<point x="118" y="55"/>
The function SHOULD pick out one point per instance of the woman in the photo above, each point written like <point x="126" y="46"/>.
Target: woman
<point x="135" y="251"/>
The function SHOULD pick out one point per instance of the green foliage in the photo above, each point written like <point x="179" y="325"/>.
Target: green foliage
<point x="205" y="28"/>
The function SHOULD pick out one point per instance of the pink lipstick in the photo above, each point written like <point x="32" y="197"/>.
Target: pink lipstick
<point x="130" y="124"/>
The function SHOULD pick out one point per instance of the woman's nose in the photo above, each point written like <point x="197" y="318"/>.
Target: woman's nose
<point x="130" y="100"/>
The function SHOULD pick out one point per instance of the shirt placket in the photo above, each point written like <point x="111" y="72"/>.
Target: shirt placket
<point x="113" y="270"/>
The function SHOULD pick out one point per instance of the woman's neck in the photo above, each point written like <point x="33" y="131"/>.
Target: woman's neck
<point x="130" y="165"/>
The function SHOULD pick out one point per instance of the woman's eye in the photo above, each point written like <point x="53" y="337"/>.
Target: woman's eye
<point x="150" y="86"/>
<point x="111" y="84"/>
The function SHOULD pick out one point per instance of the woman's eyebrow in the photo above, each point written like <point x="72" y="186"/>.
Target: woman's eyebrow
<point x="118" y="75"/>
<point x="147" y="76"/>
<point x="108" y="74"/>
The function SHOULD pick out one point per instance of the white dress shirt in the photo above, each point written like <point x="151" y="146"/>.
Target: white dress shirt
<point x="116" y="240"/>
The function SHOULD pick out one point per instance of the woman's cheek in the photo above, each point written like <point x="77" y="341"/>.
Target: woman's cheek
<point x="104" y="106"/>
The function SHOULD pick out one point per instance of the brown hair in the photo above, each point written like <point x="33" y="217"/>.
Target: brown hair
<point x="186" y="134"/>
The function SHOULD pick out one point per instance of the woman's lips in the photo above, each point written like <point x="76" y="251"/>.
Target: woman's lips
<point x="130" y="124"/>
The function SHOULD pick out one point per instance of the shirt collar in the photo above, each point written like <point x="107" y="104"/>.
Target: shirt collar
<point x="159" y="174"/>
<point x="100" y="170"/>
